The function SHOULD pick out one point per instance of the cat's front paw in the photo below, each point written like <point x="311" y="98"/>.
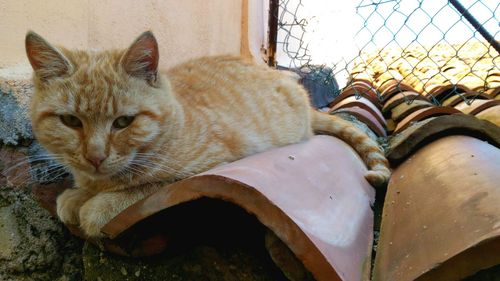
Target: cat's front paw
<point x="69" y="203"/>
<point x="94" y="214"/>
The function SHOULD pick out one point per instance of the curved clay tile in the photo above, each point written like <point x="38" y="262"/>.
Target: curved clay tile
<point x="382" y="80"/>
<point x="469" y="95"/>
<point x="424" y="113"/>
<point x="423" y="132"/>
<point x="399" y="98"/>
<point x="414" y="81"/>
<point x="436" y="77"/>
<point x="388" y="75"/>
<point x="419" y="85"/>
<point x="363" y="103"/>
<point x="491" y="114"/>
<point x="476" y="106"/>
<point x="401" y="111"/>
<point x="358" y="89"/>
<point x="393" y="87"/>
<point x="473" y="80"/>
<point x="493" y="92"/>
<point x="479" y="88"/>
<point x="441" y="92"/>
<point x="391" y="125"/>
<point x="362" y="77"/>
<point x="361" y="83"/>
<point x="441" y="213"/>
<point x="365" y="117"/>
<point x="493" y="77"/>
<point x="312" y="195"/>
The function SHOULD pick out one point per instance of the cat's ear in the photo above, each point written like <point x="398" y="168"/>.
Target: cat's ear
<point x="47" y="61"/>
<point x="141" y="58"/>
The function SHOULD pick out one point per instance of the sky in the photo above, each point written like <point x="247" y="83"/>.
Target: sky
<point x="337" y="29"/>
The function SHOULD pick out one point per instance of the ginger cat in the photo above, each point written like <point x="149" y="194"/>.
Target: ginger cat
<point x="121" y="127"/>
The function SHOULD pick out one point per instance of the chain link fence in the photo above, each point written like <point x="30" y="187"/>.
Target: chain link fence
<point x="424" y="44"/>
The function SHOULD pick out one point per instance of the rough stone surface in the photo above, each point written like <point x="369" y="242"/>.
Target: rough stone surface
<point x="8" y="232"/>
<point x="36" y="246"/>
<point x="14" y="102"/>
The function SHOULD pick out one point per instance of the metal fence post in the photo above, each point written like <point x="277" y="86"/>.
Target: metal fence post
<point x="273" y="32"/>
<point x="472" y="20"/>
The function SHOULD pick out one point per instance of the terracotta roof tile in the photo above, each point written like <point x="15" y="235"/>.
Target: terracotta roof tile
<point x="436" y="223"/>
<point x="471" y="65"/>
<point x="412" y="81"/>
<point x="427" y="193"/>
<point x="323" y="215"/>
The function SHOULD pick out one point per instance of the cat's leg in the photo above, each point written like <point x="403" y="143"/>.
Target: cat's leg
<point x="69" y="204"/>
<point x="104" y="206"/>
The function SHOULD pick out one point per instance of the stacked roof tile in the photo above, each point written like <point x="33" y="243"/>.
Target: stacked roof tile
<point x="472" y="66"/>
<point x="418" y="82"/>
<point x="441" y="109"/>
<point x="323" y="215"/>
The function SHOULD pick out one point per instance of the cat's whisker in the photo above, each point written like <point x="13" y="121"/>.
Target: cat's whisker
<point x="148" y="177"/>
<point x="19" y="176"/>
<point x="53" y="168"/>
<point x="155" y="167"/>
<point x="148" y="160"/>
<point x="138" y="172"/>
<point x="57" y="176"/>
<point x="30" y="171"/>
<point x="5" y="171"/>
<point x="20" y="163"/>
<point x="49" y="171"/>
<point x="133" y="171"/>
<point x="45" y="157"/>
<point x="30" y="160"/>
<point x="155" y="164"/>
<point x="161" y="160"/>
<point x="161" y="157"/>
<point x="161" y="167"/>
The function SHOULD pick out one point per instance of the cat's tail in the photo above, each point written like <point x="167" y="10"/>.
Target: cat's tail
<point x="367" y="148"/>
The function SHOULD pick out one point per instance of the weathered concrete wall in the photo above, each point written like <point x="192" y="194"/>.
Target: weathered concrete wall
<point x="14" y="101"/>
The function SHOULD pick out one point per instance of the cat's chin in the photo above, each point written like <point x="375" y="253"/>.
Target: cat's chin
<point x="98" y="175"/>
<point x="102" y="175"/>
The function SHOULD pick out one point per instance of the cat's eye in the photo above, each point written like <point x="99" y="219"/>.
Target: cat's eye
<point x="71" y="121"/>
<point x="123" y="122"/>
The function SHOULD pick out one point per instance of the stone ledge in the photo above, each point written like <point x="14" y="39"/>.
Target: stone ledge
<point x="15" y="94"/>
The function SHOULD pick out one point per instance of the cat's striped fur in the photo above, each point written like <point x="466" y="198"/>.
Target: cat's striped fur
<point x="187" y="120"/>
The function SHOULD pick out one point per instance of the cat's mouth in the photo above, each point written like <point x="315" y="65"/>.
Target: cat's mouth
<point x="100" y="172"/>
<point x="97" y="173"/>
<point x="103" y="171"/>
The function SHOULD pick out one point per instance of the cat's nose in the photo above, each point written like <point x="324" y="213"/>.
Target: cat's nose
<point x="95" y="160"/>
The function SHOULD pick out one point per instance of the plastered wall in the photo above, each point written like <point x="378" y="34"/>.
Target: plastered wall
<point x="184" y="29"/>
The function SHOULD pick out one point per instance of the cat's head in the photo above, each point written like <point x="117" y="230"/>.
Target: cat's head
<point x="97" y="110"/>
